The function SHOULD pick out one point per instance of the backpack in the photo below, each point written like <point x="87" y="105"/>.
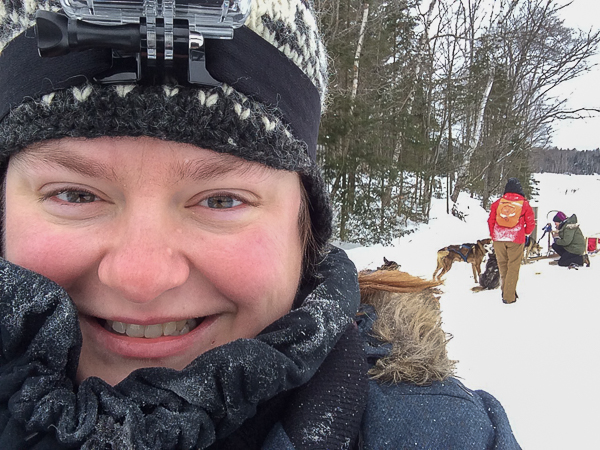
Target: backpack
<point x="508" y="212"/>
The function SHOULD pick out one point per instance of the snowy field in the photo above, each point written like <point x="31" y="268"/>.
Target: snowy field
<point x="539" y="356"/>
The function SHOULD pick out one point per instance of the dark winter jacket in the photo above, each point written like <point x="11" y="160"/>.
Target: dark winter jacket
<point x="423" y="408"/>
<point x="524" y="227"/>
<point x="442" y="415"/>
<point x="571" y="237"/>
<point x="302" y="383"/>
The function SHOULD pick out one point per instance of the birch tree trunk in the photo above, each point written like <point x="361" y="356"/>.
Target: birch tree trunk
<point x="361" y="37"/>
<point x="463" y="171"/>
<point x="348" y="165"/>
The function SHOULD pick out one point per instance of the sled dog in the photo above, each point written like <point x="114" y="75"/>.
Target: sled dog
<point x="531" y="250"/>
<point x="469" y="253"/>
<point x="490" y="278"/>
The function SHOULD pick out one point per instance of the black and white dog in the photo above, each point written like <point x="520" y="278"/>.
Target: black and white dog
<point x="490" y="278"/>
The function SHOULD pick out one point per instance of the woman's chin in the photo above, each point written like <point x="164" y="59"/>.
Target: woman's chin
<point x="113" y="374"/>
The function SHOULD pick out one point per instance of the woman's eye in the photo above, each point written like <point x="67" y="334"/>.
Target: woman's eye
<point x="220" y="202"/>
<point x="76" y="197"/>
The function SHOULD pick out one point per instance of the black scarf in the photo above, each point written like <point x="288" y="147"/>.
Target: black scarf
<point x="160" y="408"/>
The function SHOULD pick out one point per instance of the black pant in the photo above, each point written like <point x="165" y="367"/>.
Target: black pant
<point x="567" y="258"/>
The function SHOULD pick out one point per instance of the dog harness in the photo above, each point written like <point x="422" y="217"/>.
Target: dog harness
<point x="469" y="247"/>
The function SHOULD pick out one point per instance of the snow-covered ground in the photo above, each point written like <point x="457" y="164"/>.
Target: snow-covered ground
<point x="539" y="356"/>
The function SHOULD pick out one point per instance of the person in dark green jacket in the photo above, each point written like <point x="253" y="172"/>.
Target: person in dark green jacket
<point x="569" y="241"/>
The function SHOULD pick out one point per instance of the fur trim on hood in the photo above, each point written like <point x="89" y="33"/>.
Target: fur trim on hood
<point x="408" y="317"/>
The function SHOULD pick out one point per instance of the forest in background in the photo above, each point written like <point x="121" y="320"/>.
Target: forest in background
<point x="434" y="98"/>
<point x="555" y="160"/>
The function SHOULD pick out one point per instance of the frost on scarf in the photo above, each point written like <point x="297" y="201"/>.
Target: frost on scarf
<point x="153" y="408"/>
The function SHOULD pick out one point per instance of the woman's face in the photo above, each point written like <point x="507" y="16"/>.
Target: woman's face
<point x="167" y="250"/>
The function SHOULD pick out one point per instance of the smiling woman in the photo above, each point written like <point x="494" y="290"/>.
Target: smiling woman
<point x="147" y="251"/>
<point x="167" y="281"/>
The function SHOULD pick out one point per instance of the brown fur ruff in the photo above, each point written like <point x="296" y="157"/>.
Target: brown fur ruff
<point x="409" y="318"/>
<point x="393" y="281"/>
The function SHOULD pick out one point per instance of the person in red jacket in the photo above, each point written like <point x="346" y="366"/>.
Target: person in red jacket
<point x="511" y="222"/>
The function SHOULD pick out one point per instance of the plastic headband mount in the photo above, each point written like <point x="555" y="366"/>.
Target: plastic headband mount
<point x="247" y="63"/>
<point x="155" y="39"/>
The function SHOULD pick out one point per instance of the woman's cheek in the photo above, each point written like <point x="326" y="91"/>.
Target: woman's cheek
<point x="59" y="256"/>
<point x="256" y="267"/>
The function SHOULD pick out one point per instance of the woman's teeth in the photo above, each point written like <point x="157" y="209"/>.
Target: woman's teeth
<point x="152" y="331"/>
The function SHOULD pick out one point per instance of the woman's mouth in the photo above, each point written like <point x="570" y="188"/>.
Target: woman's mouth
<point x="149" y="341"/>
<point x="154" y="331"/>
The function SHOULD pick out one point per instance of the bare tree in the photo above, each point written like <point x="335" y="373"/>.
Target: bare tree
<point x="522" y="53"/>
<point x="463" y="172"/>
<point x="428" y="88"/>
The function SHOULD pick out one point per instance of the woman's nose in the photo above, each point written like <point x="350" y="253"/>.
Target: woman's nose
<point x="144" y="261"/>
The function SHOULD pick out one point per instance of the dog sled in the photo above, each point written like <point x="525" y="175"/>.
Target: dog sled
<point x="592" y="244"/>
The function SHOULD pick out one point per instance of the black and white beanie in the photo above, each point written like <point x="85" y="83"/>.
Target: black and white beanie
<point x="267" y="110"/>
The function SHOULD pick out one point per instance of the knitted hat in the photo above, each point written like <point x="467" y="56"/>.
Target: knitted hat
<point x="514" y="185"/>
<point x="559" y="217"/>
<point x="267" y="109"/>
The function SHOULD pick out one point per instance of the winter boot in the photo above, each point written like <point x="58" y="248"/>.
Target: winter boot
<point x="586" y="260"/>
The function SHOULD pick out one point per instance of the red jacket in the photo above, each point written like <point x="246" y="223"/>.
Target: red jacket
<point x="517" y="233"/>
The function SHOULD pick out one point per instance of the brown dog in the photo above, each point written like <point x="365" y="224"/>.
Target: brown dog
<point x="531" y="251"/>
<point x="470" y="253"/>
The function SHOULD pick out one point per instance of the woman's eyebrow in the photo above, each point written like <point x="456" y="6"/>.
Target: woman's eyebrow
<point x="210" y="168"/>
<point x="192" y="169"/>
<point x="83" y="166"/>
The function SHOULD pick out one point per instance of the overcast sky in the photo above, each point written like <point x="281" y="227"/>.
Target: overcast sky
<point x="581" y="134"/>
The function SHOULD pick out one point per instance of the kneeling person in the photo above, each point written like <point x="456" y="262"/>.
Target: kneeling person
<point x="569" y="242"/>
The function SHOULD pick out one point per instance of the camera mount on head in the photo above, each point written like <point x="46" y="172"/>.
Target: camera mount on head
<point x="150" y="39"/>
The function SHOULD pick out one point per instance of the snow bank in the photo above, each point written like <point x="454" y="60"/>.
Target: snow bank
<point x="539" y="356"/>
